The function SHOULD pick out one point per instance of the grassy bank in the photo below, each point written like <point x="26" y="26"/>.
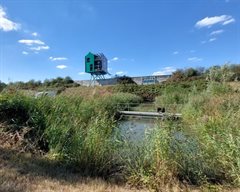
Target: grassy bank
<point x="73" y="129"/>
<point x="28" y="172"/>
<point x="202" y="149"/>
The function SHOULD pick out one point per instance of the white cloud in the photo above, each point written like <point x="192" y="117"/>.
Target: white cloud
<point x="209" y="21"/>
<point x="82" y="73"/>
<point x="61" y="66"/>
<point x="39" y="45"/>
<point x="217" y="32"/>
<point x="57" y="58"/>
<point x="121" y="73"/>
<point x="5" y="23"/>
<point x="113" y="59"/>
<point x="25" y="53"/>
<point x="229" y="21"/>
<point x="165" y="71"/>
<point x="175" y="52"/>
<point x="212" y="39"/>
<point x="31" y="42"/>
<point x="194" y="59"/>
<point x="203" y="42"/>
<point x="39" y="48"/>
<point x="35" y="34"/>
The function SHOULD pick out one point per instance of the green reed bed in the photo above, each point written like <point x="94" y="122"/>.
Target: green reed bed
<point x="72" y="129"/>
<point x="203" y="147"/>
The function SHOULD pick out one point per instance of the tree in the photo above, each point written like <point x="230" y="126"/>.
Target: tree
<point x="220" y="74"/>
<point x="2" y="86"/>
<point x="177" y="75"/>
<point x="125" y="80"/>
<point x="46" y="82"/>
<point x="68" y="80"/>
<point x="235" y="68"/>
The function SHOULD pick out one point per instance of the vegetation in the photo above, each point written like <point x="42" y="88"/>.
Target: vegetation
<point x="80" y="131"/>
<point x="202" y="148"/>
<point x="58" y="82"/>
<point x="125" y="80"/>
<point x="150" y="92"/>
<point x="2" y="86"/>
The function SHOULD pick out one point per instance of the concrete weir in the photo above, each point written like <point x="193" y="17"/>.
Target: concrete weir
<point x="152" y="114"/>
<point x="141" y="80"/>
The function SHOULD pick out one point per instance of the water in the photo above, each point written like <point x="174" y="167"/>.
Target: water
<point x="134" y="128"/>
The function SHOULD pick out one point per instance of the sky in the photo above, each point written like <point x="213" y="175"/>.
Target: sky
<point x="47" y="39"/>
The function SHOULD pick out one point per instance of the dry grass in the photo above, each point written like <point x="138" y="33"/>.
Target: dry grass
<point x="87" y="92"/>
<point x="235" y="85"/>
<point x="23" y="172"/>
<point x="15" y="179"/>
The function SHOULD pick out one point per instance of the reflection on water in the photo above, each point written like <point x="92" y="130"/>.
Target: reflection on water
<point x="134" y="128"/>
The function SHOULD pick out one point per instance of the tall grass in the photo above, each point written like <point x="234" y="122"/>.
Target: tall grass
<point x="21" y="112"/>
<point x="212" y="119"/>
<point x="76" y="130"/>
<point x="203" y="147"/>
<point x="149" y="162"/>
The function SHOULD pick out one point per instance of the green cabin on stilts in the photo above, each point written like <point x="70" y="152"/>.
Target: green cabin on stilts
<point x="96" y="64"/>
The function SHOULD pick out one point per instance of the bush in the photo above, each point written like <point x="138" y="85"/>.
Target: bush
<point x="125" y="80"/>
<point x="217" y="88"/>
<point x="2" y="86"/>
<point x="220" y="74"/>
<point x="21" y="112"/>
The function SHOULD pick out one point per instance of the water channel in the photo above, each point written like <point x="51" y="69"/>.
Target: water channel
<point x="134" y="128"/>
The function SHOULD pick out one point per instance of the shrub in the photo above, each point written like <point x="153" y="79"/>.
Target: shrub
<point x="220" y="74"/>
<point x="22" y="111"/>
<point x="2" y="86"/>
<point x="217" y="88"/>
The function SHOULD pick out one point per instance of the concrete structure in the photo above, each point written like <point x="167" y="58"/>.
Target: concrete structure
<point x="141" y="80"/>
<point x="45" y="93"/>
<point x="151" y="114"/>
<point x="153" y="79"/>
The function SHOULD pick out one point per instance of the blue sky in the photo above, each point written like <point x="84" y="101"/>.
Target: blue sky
<point x="47" y="39"/>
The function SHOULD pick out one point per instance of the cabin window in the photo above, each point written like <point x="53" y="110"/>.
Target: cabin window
<point x="88" y="59"/>
<point x="91" y="67"/>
